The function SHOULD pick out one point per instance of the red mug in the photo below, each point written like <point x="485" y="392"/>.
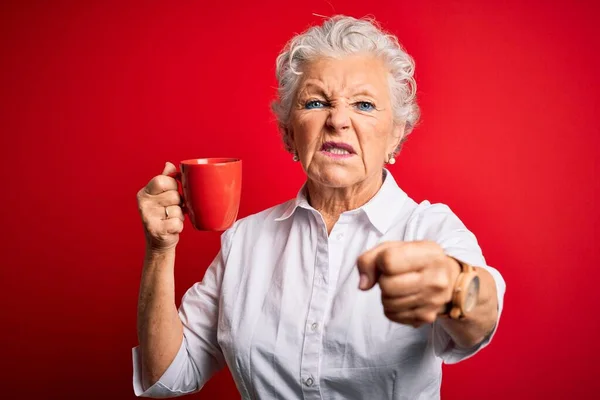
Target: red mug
<point x="211" y="191"/>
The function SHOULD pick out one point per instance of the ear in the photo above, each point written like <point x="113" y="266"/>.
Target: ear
<point x="396" y="137"/>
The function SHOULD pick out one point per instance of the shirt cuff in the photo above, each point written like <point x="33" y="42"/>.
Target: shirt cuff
<point x="163" y="388"/>
<point x="445" y="347"/>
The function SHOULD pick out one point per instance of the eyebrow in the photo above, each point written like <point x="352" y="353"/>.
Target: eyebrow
<point x="314" y="86"/>
<point x="365" y="90"/>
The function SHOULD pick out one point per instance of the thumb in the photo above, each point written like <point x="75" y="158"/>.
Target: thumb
<point x="169" y="168"/>
<point x="367" y="266"/>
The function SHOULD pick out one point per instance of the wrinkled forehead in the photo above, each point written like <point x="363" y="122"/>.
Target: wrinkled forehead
<point x="345" y="76"/>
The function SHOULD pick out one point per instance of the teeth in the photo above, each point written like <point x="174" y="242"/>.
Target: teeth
<point x="338" y="151"/>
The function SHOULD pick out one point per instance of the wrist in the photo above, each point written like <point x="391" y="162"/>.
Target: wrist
<point x="156" y="257"/>
<point x="153" y="251"/>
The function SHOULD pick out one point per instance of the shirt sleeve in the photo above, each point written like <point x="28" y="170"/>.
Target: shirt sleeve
<point x="199" y="356"/>
<point x="437" y="222"/>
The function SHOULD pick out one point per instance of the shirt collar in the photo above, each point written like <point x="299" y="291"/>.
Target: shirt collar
<point x="380" y="210"/>
<point x="299" y="201"/>
<point x="386" y="204"/>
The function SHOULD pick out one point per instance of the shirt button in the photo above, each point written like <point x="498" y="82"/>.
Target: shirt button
<point x="314" y="326"/>
<point x="309" y="382"/>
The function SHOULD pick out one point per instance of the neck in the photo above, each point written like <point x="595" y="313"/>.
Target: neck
<point x="331" y="202"/>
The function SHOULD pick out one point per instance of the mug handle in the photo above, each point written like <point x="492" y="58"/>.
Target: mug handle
<point x="177" y="176"/>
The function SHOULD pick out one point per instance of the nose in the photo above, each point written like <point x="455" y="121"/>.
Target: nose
<point x="339" y="118"/>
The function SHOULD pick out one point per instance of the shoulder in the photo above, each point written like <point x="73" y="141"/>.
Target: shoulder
<point x="426" y="214"/>
<point x="438" y="222"/>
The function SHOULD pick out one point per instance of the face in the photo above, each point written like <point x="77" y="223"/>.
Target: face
<point x="342" y="123"/>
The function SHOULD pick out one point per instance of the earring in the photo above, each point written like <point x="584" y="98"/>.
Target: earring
<point x="295" y="157"/>
<point x="392" y="159"/>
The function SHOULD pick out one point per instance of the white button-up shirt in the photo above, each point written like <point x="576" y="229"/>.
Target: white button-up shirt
<point x="280" y="306"/>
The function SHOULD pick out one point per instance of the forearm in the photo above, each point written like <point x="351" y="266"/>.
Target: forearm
<point x="160" y="330"/>
<point x="471" y="330"/>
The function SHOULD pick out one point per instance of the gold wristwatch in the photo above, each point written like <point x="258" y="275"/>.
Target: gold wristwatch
<point x="465" y="293"/>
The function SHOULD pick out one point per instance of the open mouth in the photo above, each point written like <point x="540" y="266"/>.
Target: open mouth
<point x="337" y="149"/>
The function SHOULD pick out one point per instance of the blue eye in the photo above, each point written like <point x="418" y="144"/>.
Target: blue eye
<point x="314" y="104"/>
<point x="365" y="106"/>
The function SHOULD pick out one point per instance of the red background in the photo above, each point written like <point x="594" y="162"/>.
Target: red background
<point x="96" y="96"/>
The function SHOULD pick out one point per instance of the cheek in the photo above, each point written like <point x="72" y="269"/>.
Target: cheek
<point x="374" y="137"/>
<point x="307" y="130"/>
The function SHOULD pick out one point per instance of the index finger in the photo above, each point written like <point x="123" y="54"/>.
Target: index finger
<point x="367" y="264"/>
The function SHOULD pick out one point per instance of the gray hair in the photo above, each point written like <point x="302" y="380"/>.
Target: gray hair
<point x="338" y="36"/>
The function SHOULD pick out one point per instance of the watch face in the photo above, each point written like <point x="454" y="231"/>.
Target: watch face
<point x="472" y="294"/>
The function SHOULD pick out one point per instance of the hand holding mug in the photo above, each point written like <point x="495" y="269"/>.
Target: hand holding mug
<point x="159" y="207"/>
<point x="211" y="198"/>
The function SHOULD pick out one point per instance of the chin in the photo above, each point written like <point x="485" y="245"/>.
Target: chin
<point x="337" y="176"/>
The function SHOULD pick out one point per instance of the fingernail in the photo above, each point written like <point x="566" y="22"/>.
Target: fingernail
<point x="364" y="281"/>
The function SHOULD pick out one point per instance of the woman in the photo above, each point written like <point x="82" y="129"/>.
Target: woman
<point x="342" y="292"/>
